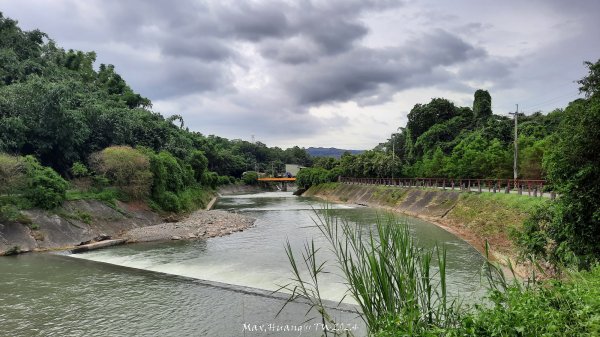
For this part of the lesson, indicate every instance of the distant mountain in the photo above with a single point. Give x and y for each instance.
(330, 152)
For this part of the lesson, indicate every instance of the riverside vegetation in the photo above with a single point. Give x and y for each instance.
(401, 289)
(564, 149)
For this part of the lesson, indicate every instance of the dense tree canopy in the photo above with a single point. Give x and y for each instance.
(61, 114)
(572, 164)
(56, 106)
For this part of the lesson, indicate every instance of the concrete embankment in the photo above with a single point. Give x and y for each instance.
(475, 217)
(74, 223)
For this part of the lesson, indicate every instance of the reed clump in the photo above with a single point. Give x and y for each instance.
(398, 286)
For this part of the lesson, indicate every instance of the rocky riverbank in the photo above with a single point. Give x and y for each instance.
(82, 222)
(200, 224)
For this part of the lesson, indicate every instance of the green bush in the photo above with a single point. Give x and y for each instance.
(223, 180)
(210, 179)
(11, 173)
(9, 213)
(193, 198)
(127, 168)
(314, 176)
(553, 308)
(79, 170)
(170, 202)
(171, 178)
(175, 179)
(250, 178)
(45, 188)
(199, 164)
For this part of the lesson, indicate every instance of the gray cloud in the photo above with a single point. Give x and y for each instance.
(373, 75)
(206, 49)
(310, 53)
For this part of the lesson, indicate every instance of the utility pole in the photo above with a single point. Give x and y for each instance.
(393, 156)
(516, 144)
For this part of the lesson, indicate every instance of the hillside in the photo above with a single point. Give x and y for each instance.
(330, 152)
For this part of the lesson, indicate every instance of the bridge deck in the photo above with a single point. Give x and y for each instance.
(277, 179)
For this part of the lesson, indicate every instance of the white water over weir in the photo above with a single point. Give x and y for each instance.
(256, 258)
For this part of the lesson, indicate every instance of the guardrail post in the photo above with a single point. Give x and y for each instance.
(520, 189)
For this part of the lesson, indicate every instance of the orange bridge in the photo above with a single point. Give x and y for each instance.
(284, 182)
(277, 179)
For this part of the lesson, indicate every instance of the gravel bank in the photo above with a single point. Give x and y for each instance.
(200, 224)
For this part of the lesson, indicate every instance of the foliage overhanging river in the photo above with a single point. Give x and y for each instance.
(157, 289)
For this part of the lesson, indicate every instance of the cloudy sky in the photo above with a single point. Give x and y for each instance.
(341, 73)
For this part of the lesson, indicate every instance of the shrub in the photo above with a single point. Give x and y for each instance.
(199, 164)
(175, 179)
(553, 308)
(223, 180)
(126, 168)
(170, 202)
(79, 170)
(193, 198)
(45, 188)
(11, 173)
(9, 213)
(210, 179)
(250, 178)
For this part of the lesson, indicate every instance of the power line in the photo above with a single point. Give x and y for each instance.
(550, 101)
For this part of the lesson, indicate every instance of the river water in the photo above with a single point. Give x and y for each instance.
(214, 287)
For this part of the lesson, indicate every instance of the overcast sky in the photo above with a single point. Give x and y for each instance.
(339, 73)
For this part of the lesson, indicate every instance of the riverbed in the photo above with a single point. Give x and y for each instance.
(207, 287)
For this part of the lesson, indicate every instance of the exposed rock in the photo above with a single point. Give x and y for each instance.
(200, 224)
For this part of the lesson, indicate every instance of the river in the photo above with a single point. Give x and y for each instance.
(214, 287)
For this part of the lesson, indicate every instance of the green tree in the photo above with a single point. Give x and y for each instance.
(482, 104)
(590, 85)
(424, 116)
(573, 166)
(567, 231)
(434, 166)
(199, 164)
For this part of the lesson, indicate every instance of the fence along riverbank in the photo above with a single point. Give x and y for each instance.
(530, 187)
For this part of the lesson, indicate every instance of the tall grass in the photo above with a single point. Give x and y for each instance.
(398, 286)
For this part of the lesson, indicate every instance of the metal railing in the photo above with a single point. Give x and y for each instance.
(531, 187)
